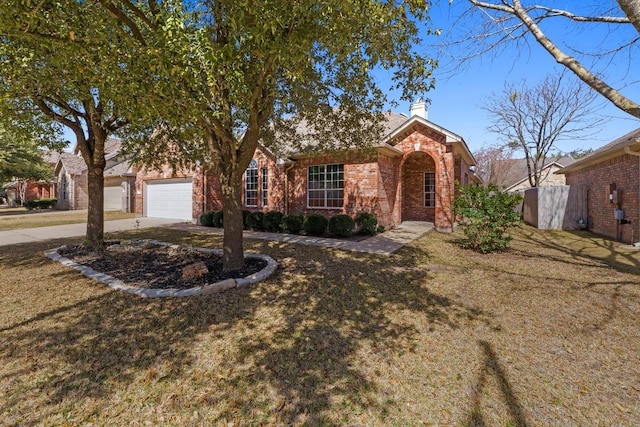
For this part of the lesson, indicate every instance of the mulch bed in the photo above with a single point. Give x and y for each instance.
(156, 267)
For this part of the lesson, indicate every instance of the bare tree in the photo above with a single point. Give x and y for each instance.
(534, 119)
(491, 163)
(508, 22)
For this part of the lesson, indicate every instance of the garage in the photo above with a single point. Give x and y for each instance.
(169, 199)
(113, 198)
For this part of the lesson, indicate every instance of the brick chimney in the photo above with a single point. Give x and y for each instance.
(419, 108)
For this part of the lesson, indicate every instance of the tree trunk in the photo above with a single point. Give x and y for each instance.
(95, 214)
(233, 255)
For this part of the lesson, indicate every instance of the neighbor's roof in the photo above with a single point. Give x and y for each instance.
(514, 171)
(612, 149)
(73, 163)
(118, 169)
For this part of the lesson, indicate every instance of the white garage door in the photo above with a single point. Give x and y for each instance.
(169, 199)
(113, 198)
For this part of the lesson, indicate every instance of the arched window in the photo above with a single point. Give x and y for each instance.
(251, 184)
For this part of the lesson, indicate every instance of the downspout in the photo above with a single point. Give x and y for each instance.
(628, 150)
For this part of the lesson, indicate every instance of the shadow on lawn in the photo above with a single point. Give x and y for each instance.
(493, 368)
(322, 306)
(583, 245)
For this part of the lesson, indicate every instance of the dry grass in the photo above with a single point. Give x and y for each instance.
(433, 335)
(34, 219)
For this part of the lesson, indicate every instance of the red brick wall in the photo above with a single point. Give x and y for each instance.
(432, 144)
(414, 168)
(275, 189)
(624, 171)
(364, 185)
(388, 190)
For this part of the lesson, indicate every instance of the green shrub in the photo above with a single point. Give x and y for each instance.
(315, 224)
(486, 215)
(206, 218)
(367, 223)
(245, 215)
(292, 224)
(341, 225)
(217, 219)
(254, 221)
(271, 221)
(40, 204)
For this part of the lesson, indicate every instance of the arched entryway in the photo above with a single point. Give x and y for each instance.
(419, 188)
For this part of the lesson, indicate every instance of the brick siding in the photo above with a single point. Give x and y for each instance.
(624, 171)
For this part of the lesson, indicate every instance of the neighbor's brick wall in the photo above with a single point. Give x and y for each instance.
(432, 144)
(80, 192)
(546, 180)
(624, 171)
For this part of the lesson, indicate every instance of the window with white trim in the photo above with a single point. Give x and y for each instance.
(325, 186)
(264, 174)
(429, 189)
(251, 184)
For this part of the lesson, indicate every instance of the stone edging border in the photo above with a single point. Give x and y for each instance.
(118, 285)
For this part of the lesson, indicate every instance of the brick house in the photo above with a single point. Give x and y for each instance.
(409, 175)
(35, 189)
(71, 177)
(611, 176)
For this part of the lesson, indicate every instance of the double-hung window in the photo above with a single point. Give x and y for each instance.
(264, 172)
(429, 189)
(251, 184)
(325, 186)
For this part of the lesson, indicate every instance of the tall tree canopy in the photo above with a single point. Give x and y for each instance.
(65, 61)
(514, 23)
(229, 74)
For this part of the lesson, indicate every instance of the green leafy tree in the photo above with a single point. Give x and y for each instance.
(66, 62)
(486, 214)
(230, 73)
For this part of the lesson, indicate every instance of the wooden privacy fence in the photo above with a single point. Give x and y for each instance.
(556, 208)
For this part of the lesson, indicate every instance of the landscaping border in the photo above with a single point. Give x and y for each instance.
(119, 285)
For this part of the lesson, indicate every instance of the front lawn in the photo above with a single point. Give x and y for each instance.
(34, 219)
(432, 335)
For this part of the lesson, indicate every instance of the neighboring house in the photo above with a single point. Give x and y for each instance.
(513, 174)
(410, 175)
(119, 178)
(611, 175)
(35, 189)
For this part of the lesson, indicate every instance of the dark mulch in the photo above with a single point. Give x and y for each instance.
(157, 267)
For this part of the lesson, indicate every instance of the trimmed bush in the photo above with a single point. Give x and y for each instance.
(486, 215)
(271, 221)
(245, 215)
(341, 225)
(315, 224)
(206, 219)
(292, 224)
(40, 204)
(254, 221)
(367, 223)
(217, 219)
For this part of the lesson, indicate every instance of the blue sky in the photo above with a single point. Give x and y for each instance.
(456, 101)
(457, 98)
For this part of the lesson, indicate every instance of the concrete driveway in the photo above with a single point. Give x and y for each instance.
(28, 235)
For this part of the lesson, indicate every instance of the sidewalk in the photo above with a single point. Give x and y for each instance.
(381, 244)
(28, 235)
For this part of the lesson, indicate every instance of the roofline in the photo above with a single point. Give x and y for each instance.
(450, 137)
(601, 156)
